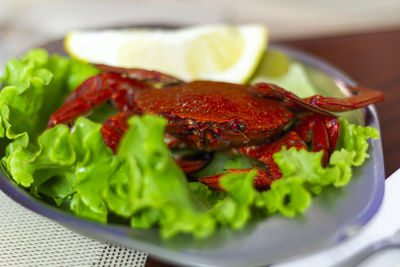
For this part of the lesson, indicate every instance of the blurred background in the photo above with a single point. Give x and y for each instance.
(24, 23)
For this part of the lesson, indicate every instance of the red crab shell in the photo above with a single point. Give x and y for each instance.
(216, 115)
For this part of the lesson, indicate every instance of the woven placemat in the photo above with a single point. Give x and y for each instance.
(29, 239)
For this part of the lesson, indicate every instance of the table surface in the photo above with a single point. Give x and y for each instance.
(372, 60)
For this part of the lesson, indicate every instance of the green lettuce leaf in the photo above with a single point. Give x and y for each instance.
(235, 209)
(22, 95)
(159, 192)
(34, 87)
(354, 138)
(54, 151)
(206, 197)
(73, 164)
(95, 163)
(287, 196)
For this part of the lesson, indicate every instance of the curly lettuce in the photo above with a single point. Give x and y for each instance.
(33, 87)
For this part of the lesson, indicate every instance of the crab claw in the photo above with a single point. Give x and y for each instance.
(148, 76)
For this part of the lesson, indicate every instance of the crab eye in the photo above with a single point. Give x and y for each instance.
(238, 125)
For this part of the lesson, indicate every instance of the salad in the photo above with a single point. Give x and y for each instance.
(73, 168)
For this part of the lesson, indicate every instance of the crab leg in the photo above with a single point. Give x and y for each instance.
(363, 97)
(94, 92)
(118, 84)
(320, 132)
(147, 76)
(320, 104)
(115, 126)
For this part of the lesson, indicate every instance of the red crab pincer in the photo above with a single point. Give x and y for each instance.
(253, 120)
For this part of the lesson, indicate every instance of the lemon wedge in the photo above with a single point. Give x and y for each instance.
(208, 52)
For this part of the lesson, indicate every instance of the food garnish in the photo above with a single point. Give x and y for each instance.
(205, 52)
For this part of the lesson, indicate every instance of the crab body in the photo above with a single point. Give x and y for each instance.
(214, 115)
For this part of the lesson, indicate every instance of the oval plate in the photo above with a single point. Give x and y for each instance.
(333, 216)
